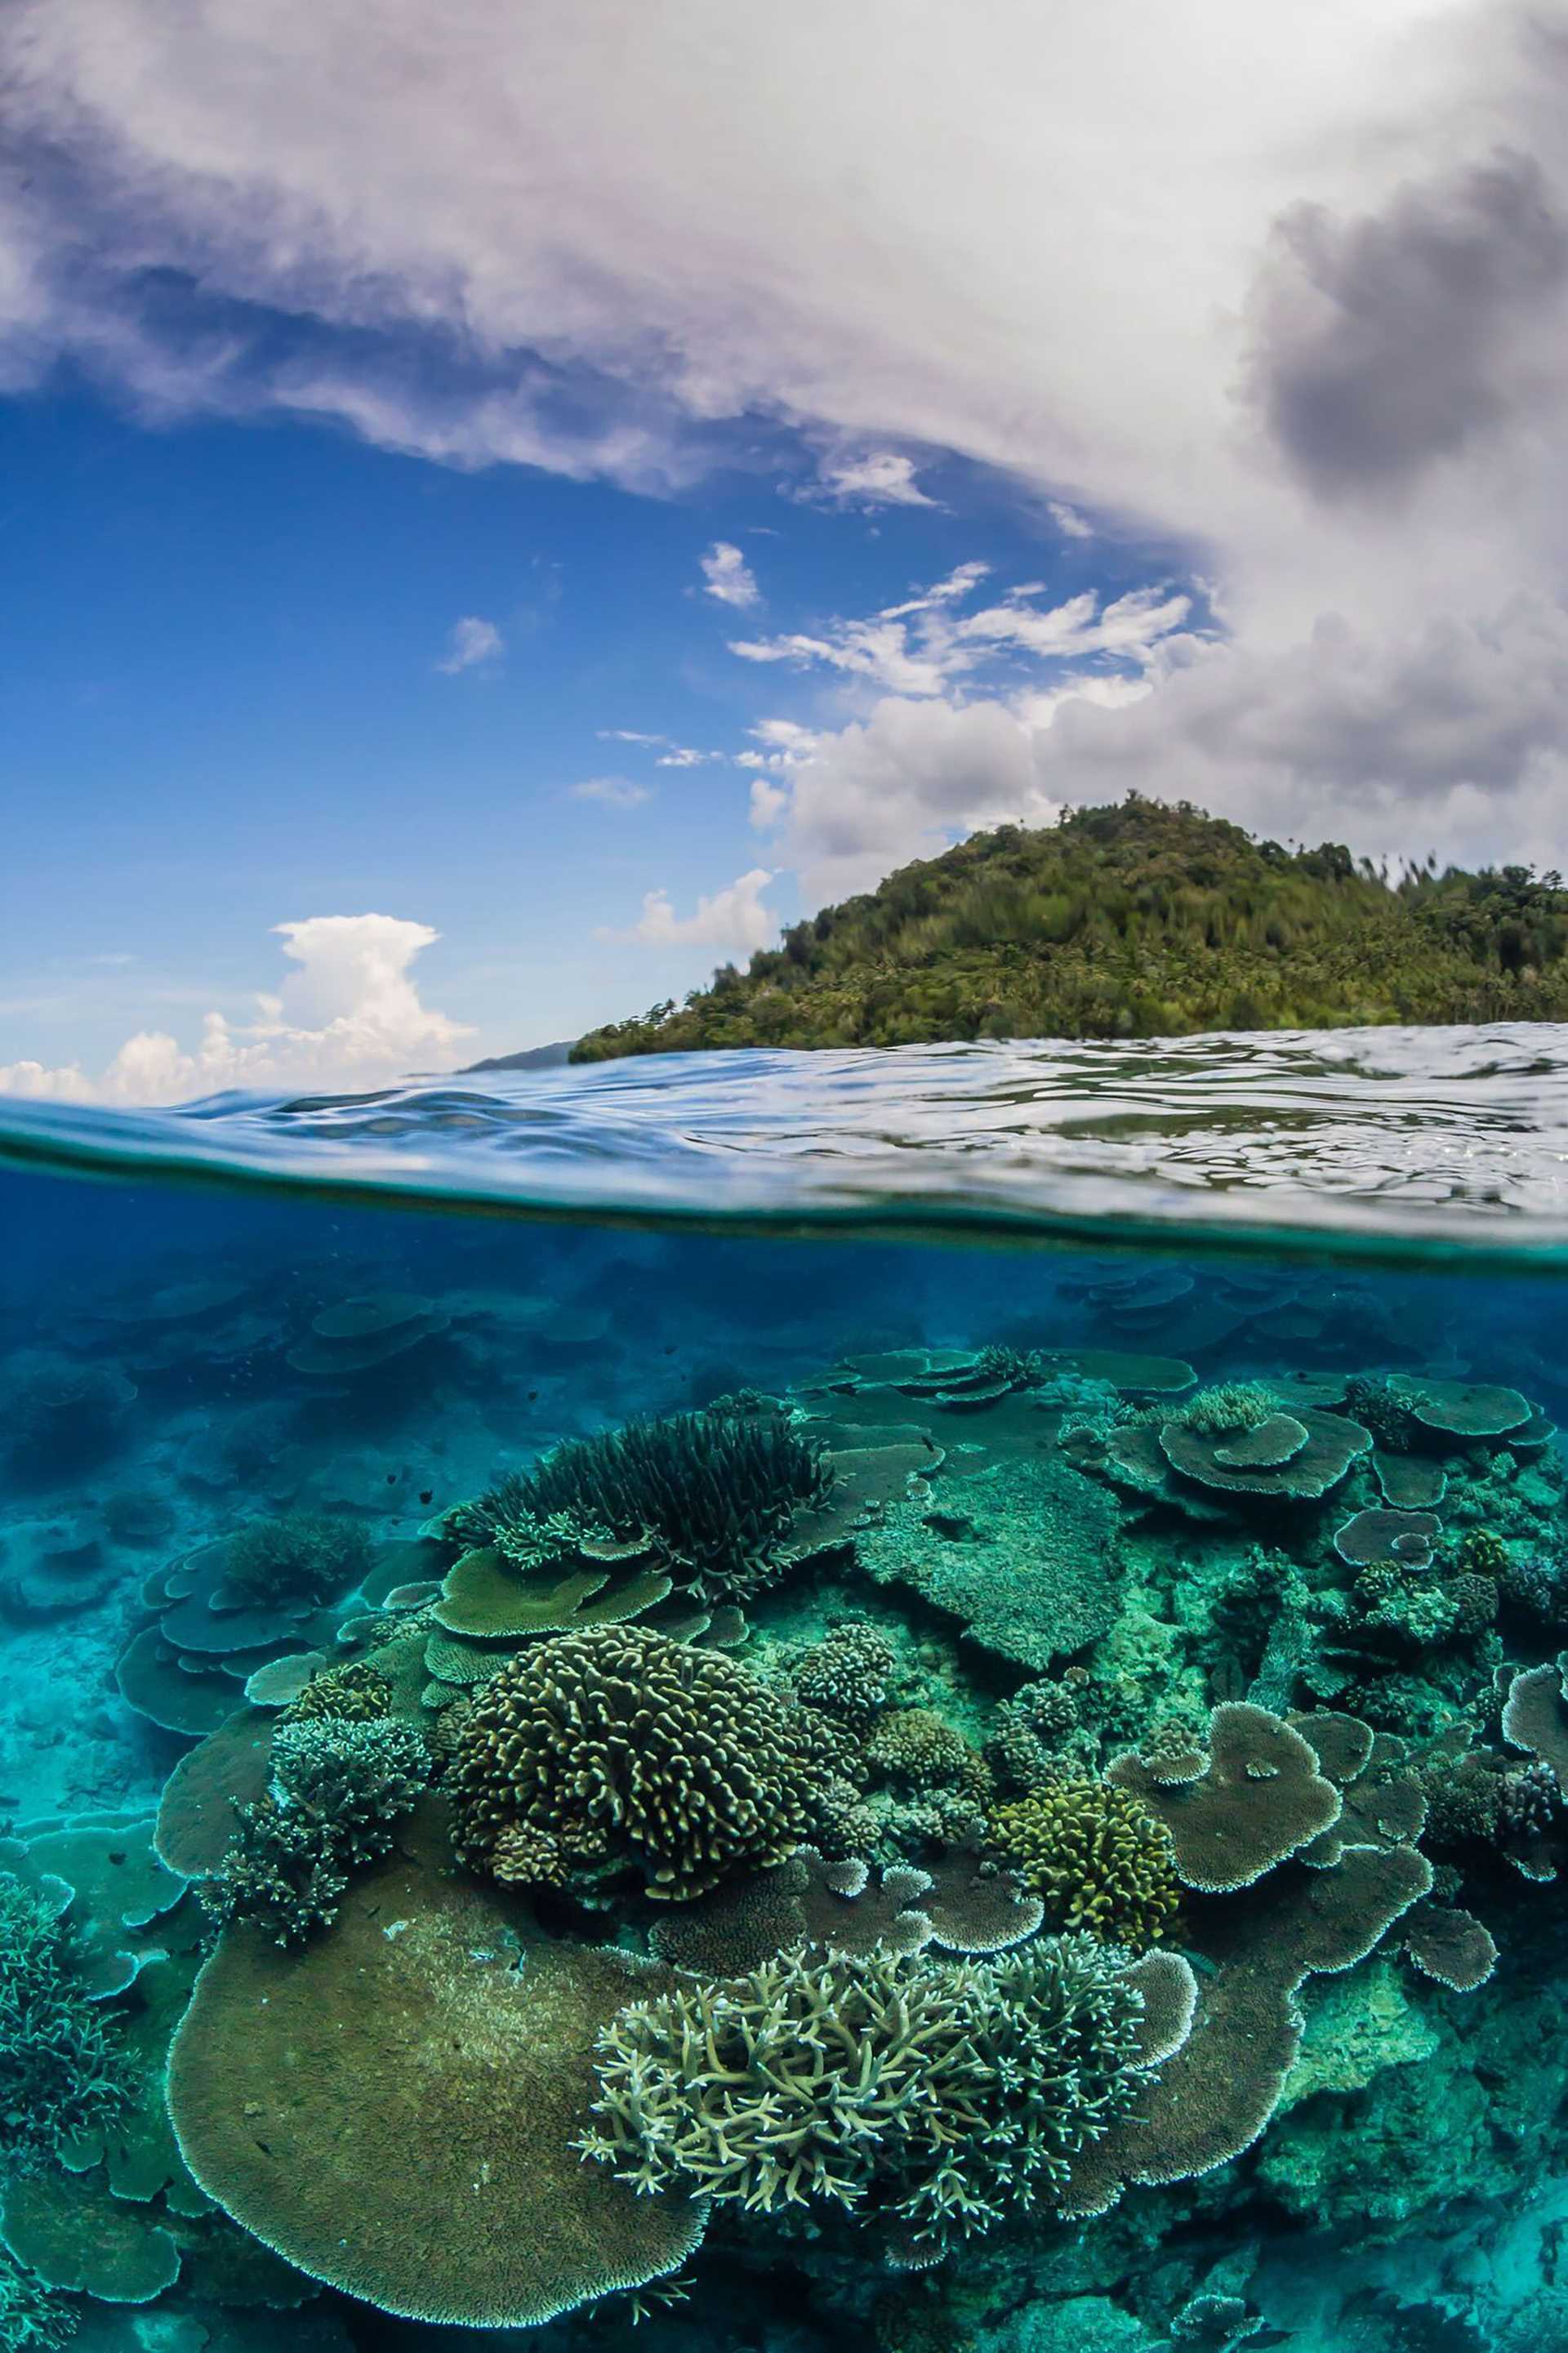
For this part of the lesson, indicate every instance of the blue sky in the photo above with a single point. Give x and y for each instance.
(486, 536)
(239, 689)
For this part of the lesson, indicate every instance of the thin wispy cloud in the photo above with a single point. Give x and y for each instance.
(473, 644)
(1067, 520)
(670, 755)
(926, 646)
(877, 478)
(728, 576)
(612, 792)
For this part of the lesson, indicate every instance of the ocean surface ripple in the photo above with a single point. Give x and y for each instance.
(1448, 1136)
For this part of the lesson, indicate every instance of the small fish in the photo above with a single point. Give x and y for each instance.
(426, 1493)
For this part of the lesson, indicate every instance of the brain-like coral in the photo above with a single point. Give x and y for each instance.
(934, 2096)
(615, 1750)
(848, 1673)
(712, 1496)
(1098, 1857)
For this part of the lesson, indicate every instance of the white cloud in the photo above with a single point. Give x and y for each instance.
(1318, 347)
(350, 1014)
(728, 576)
(1067, 520)
(1398, 741)
(877, 478)
(733, 919)
(615, 792)
(923, 646)
(671, 753)
(472, 642)
(785, 740)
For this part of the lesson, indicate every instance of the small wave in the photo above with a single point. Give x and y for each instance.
(1453, 1138)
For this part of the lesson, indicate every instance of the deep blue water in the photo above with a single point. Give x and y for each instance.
(353, 1316)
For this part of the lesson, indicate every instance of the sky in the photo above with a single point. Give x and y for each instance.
(503, 508)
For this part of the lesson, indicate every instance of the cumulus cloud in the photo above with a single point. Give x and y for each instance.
(1427, 738)
(732, 919)
(1314, 352)
(728, 576)
(615, 792)
(472, 643)
(349, 1015)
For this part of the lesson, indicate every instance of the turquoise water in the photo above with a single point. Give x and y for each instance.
(1018, 1809)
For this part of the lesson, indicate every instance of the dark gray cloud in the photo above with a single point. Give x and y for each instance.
(1387, 343)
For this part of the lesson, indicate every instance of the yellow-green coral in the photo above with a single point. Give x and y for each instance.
(1098, 1857)
(617, 1749)
(354, 1694)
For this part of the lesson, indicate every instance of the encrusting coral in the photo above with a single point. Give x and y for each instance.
(934, 2096)
(616, 1750)
(1099, 1859)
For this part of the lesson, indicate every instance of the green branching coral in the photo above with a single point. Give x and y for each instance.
(339, 1788)
(1230, 1405)
(615, 1749)
(63, 2076)
(301, 1556)
(1099, 1859)
(712, 1496)
(937, 2097)
(33, 2317)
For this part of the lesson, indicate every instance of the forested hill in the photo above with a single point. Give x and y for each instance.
(1132, 921)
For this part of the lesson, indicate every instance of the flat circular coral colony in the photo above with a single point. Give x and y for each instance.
(918, 1807)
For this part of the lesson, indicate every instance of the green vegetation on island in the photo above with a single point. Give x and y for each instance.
(1132, 921)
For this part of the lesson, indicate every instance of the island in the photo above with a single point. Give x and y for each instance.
(1139, 920)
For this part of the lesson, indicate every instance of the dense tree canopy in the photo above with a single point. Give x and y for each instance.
(1132, 921)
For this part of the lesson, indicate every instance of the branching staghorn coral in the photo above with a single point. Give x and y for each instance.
(712, 1495)
(63, 2076)
(301, 1556)
(938, 2096)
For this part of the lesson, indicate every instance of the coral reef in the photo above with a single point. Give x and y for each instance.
(931, 2098)
(595, 1754)
(1099, 1859)
(300, 1556)
(715, 1497)
(1132, 1795)
(63, 2074)
(339, 1786)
